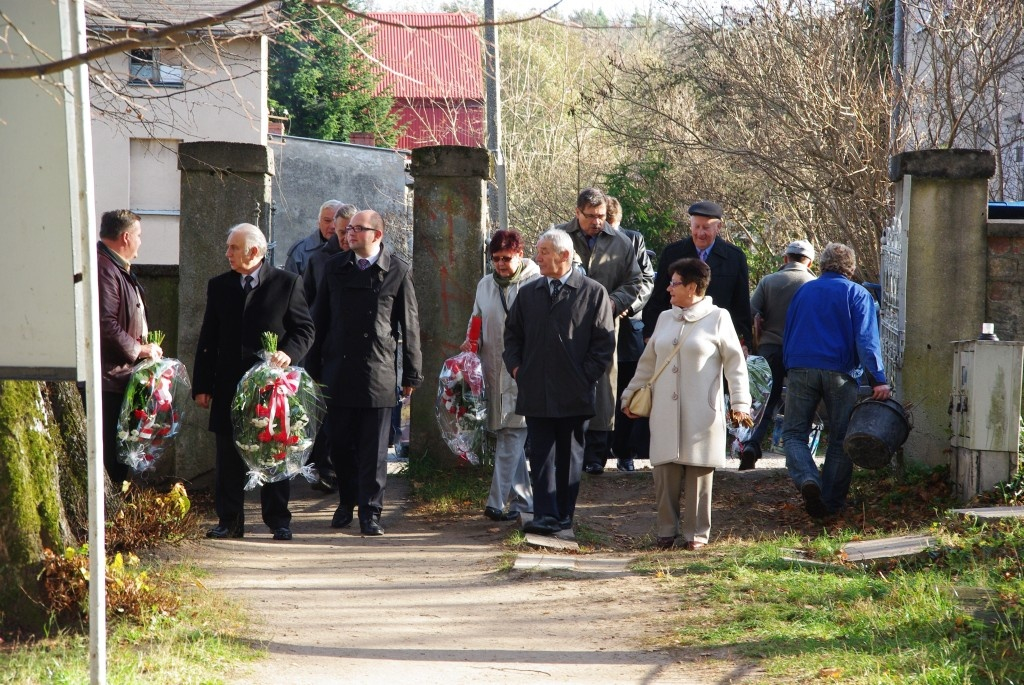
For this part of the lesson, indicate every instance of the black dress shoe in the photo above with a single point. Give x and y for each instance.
(565, 524)
(325, 484)
(370, 527)
(342, 516)
(813, 504)
(593, 469)
(499, 515)
(749, 455)
(545, 525)
(221, 532)
(625, 465)
(283, 533)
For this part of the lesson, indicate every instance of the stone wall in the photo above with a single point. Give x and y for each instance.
(310, 172)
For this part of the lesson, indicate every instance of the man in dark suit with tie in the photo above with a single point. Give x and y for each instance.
(253, 297)
(730, 278)
(364, 301)
(559, 341)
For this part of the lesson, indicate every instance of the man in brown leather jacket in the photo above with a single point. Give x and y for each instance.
(123, 325)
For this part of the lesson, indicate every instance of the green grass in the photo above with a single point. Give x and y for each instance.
(891, 623)
(446, 486)
(197, 646)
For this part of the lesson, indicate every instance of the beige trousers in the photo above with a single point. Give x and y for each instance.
(668, 481)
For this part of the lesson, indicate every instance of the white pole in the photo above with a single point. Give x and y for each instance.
(499, 200)
(76, 101)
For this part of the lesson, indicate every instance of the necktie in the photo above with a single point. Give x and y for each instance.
(703, 255)
(556, 286)
(363, 264)
(247, 288)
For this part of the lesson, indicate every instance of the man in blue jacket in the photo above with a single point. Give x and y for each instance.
(831, 337)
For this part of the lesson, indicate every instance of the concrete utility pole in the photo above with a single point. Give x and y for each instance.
(497, 198)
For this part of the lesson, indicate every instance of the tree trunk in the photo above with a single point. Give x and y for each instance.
(31, 517)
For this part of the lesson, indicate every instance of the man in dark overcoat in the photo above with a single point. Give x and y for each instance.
(559, 341)
(730, 277)
(241, 304)
(364, 302)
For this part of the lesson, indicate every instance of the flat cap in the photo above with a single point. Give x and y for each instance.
(704, 208)
(800, 248)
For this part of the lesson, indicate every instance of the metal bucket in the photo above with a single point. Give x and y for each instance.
(876, 431)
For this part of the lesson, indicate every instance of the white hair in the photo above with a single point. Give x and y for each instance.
(330, 204)
(253, 237)
(559, 239)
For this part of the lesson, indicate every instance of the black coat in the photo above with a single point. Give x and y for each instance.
(359, 317)
(729, 287)
(230, 339)
(560, 349)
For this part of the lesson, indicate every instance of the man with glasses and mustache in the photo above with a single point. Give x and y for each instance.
(608, 257)
(365, 299)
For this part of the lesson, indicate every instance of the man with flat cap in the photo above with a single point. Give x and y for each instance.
(730, 278)
(769, 305)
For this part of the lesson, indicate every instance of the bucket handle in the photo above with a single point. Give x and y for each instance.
(908, 415)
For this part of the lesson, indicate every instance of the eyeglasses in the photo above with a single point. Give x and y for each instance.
(594, 216)
(357, 229)
(673, 284)
(502, 260)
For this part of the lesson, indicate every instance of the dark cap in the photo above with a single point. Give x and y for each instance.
(703, 208)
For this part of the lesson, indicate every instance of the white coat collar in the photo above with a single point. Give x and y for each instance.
(696, 312)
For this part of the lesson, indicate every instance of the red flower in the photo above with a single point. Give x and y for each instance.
(262, 410)
(164, 431)
(293, 440)
(265, 436)
(281, 437)
(280, 456)
(175, 416)
(139, 414)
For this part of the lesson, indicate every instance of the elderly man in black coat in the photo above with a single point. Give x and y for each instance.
(253, 297)
(364, 300)
(730, 277)
(559, 341)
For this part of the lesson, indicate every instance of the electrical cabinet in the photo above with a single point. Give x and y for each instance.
(985, 412)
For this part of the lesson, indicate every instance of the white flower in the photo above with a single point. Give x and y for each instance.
(123, 435)
(260, 423)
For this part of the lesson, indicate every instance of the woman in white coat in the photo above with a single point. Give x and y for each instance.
(495, 294)
(696, 343)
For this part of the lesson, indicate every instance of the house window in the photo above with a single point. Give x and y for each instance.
(150, 66)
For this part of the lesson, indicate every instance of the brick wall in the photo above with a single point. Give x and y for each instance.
(1005, 278)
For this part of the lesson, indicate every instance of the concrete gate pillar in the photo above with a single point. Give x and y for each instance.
(222, 184)
(940, 228)
(449, 238)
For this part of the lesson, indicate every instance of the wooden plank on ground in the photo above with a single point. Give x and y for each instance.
(888, 548)
(992, 512)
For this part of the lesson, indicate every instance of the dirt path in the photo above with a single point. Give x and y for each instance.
(425, 602)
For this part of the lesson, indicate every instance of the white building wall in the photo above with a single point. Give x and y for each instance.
(135, 139)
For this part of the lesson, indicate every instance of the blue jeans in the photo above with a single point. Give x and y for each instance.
(805, 388)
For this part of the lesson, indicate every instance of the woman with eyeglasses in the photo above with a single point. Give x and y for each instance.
(495, 293)
(693, 344)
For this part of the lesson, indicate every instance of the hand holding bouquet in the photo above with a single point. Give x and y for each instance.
(276, 413)
(460, 406)
(152, 410)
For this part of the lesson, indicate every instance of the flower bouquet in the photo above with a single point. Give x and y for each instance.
(759, 377)
(151, 413)
(460, 406)
(276, 413)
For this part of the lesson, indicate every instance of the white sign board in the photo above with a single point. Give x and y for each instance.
(41, 196)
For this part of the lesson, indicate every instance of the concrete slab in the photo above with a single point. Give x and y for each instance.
(544, 562)
(888, 548)
(553, 542)
(992, 512)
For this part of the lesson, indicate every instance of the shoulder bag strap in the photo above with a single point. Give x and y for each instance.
(675, 351)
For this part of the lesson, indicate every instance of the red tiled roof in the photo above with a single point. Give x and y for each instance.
(431, 63)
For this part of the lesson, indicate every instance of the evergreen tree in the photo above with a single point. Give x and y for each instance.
(322, 81)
